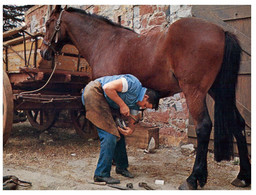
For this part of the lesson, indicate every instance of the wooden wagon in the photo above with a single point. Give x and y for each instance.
(39, 88)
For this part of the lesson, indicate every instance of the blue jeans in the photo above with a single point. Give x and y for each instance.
(110, 149)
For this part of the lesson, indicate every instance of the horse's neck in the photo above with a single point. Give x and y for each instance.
(81, 34)
(90, 37)
(87, 34)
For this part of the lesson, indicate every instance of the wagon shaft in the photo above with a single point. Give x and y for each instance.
(40, 101)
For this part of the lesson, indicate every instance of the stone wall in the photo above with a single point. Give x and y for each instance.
(172, 115)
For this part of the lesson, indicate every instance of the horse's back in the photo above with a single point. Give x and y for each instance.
(196, 49)
(196, 25)
(196, 33)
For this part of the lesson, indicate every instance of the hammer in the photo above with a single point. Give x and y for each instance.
(129, 186)
(145, 185)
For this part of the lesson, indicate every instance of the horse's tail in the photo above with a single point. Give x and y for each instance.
(224, 89)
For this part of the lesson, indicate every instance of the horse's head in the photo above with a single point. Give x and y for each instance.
(55, 35)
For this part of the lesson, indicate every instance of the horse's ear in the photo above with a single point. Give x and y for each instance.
(57, 8)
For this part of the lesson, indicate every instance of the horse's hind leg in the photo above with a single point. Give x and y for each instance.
(199, 111)
(244, 177)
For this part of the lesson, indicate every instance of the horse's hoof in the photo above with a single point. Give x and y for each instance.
(239, 183)
(186, 186)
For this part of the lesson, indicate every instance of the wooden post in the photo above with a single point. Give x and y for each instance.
(6, 58)
(24, 40)
(35, 53)
(78, 62)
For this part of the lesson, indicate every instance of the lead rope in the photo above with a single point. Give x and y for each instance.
(36, 90)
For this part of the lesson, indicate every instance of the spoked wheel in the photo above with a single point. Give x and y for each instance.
(7, 108)
(83, 127)
(42, 119)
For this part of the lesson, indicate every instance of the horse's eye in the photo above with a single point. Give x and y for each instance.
(47, 24)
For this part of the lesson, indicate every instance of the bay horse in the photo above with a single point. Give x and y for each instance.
(192, 56)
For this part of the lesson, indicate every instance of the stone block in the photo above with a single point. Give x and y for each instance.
(174, 8)
(146, 9)
(157, 20)
(187, 149)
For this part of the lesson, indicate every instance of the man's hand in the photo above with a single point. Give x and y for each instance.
(126, 131)
(124, 110)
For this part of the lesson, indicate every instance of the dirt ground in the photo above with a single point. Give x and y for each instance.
(61, 160)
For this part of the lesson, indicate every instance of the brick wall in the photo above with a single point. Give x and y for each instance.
(172, 115)
(36, 17)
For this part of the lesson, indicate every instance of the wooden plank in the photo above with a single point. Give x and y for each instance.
(66, 63)
(192, 134)
(13, 31)
(233, 12)
(245, 64)
(242, 25)
(211, 146)
(16, 56)
(207, 8)
(19, 40)
(245, 45)
(245, 68)
(59, 72)
(246, 113)
(142, 135)
(243, 97)
(20, 47)
(71, 49)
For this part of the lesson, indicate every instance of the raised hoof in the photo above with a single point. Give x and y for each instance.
(186, 186)
(239, 183)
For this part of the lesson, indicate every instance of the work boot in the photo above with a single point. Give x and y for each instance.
(124, 172)
(108, 180)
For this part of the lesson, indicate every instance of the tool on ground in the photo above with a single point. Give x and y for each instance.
(10, 182)
(145, 185)
(102, 183)
(120, 187)
(129, 185)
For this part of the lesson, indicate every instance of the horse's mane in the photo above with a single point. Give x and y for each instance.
(71, 9)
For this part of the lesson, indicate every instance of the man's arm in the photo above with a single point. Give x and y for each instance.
(111, 90)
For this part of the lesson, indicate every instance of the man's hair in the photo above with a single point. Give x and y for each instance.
(153, 97)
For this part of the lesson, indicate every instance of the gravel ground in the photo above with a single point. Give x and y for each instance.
(61, 160)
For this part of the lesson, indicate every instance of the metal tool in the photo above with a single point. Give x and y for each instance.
(145, 185)
(135, 120)
(120, 123)
(129, 185)
(102, 183)
(118, 187)
(10, 182)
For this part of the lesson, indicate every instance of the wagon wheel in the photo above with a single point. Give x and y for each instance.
(84, 128)
(7, 108)
(42, 119)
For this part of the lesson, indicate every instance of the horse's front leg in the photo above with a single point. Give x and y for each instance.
(199, 112)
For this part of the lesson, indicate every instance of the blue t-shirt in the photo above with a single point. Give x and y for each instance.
(134, 92)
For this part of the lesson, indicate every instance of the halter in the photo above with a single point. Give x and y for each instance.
(55, 34)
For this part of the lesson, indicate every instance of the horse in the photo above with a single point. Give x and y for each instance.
(192, 56)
